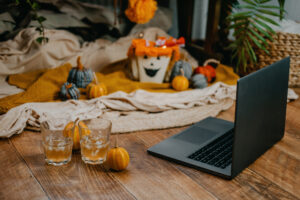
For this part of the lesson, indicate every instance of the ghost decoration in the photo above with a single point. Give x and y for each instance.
(149, 62)
(152, 69)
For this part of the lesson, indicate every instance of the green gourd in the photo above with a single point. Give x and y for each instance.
(80, 76)
(69, 91)
(187, 69)
(199, 81)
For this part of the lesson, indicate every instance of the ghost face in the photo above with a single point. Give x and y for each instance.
(152, 69)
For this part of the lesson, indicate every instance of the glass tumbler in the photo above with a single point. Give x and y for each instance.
(94, 143)
(57, 145)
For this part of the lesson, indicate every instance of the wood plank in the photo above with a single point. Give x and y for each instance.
(280, 168)
(149, 178)
(16, 180)
(75, 180)
(292, 125)
(248, 185)
(290, 145)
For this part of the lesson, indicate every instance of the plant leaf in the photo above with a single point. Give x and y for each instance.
(264, 1)
(266, 34)
(259, 45)
(39, 29)
(267, 19)
(258, 36)
(237, 24)
(40, 40)
(243, 59)
(270, 6)
(35, 6)
(239, 58)
(267, 27)
(241, 14)
(268, 12)
(232, 46)
(253, 56)
(41, 19)
(247, 6)
(249, 2)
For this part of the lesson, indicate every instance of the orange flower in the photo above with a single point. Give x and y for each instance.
(141, 11)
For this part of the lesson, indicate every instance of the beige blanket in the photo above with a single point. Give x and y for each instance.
(128, 112)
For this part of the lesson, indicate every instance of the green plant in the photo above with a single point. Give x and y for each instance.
(40, 19)
(251, 24)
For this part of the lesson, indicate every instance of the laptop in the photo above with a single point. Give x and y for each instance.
(224, 148)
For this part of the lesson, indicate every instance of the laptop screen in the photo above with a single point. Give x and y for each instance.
(260, 113)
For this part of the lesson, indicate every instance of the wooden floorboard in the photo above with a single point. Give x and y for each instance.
(150, 178)
(75, 180)
(16, 180)
(248, 185)
(24, 174)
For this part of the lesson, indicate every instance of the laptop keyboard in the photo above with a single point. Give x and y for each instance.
(217, 153)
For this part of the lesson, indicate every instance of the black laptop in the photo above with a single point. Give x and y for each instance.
(225, 148)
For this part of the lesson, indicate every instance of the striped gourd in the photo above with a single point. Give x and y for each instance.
(118, 158)
(80, 76)
(69, 91)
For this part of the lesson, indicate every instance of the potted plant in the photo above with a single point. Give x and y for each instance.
(250, 22)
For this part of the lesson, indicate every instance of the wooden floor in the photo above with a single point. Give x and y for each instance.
(24, 174)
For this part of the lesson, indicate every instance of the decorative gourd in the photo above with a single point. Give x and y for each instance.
(117, 158)
(73, 131)
(187, 68)
(80, 76)
(96, 89)
(69, 91)
(208, 71)
(180, 82)
(199, 81)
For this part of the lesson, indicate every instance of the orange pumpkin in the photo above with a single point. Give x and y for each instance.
(118, 158)
(180, 82)
(208, 71)
(71, 131)
(96, 90)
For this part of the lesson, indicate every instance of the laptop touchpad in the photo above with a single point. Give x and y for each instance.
(196, 135)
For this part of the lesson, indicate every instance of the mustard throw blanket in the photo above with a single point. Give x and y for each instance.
(44, 85)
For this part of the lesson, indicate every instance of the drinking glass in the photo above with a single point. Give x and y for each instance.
(57, 145)
(94, 143)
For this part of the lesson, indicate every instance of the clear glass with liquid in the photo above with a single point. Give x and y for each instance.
(57, 147)
(95, 145)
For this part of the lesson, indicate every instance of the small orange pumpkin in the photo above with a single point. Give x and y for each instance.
(208, 71)
(76, 136)
(117, 158)
(96, 89)
(180, 82)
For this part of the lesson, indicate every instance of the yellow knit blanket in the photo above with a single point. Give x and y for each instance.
(44, 85)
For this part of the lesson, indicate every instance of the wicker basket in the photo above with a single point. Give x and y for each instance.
(284, 44)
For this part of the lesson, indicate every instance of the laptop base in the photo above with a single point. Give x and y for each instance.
(178, 148)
